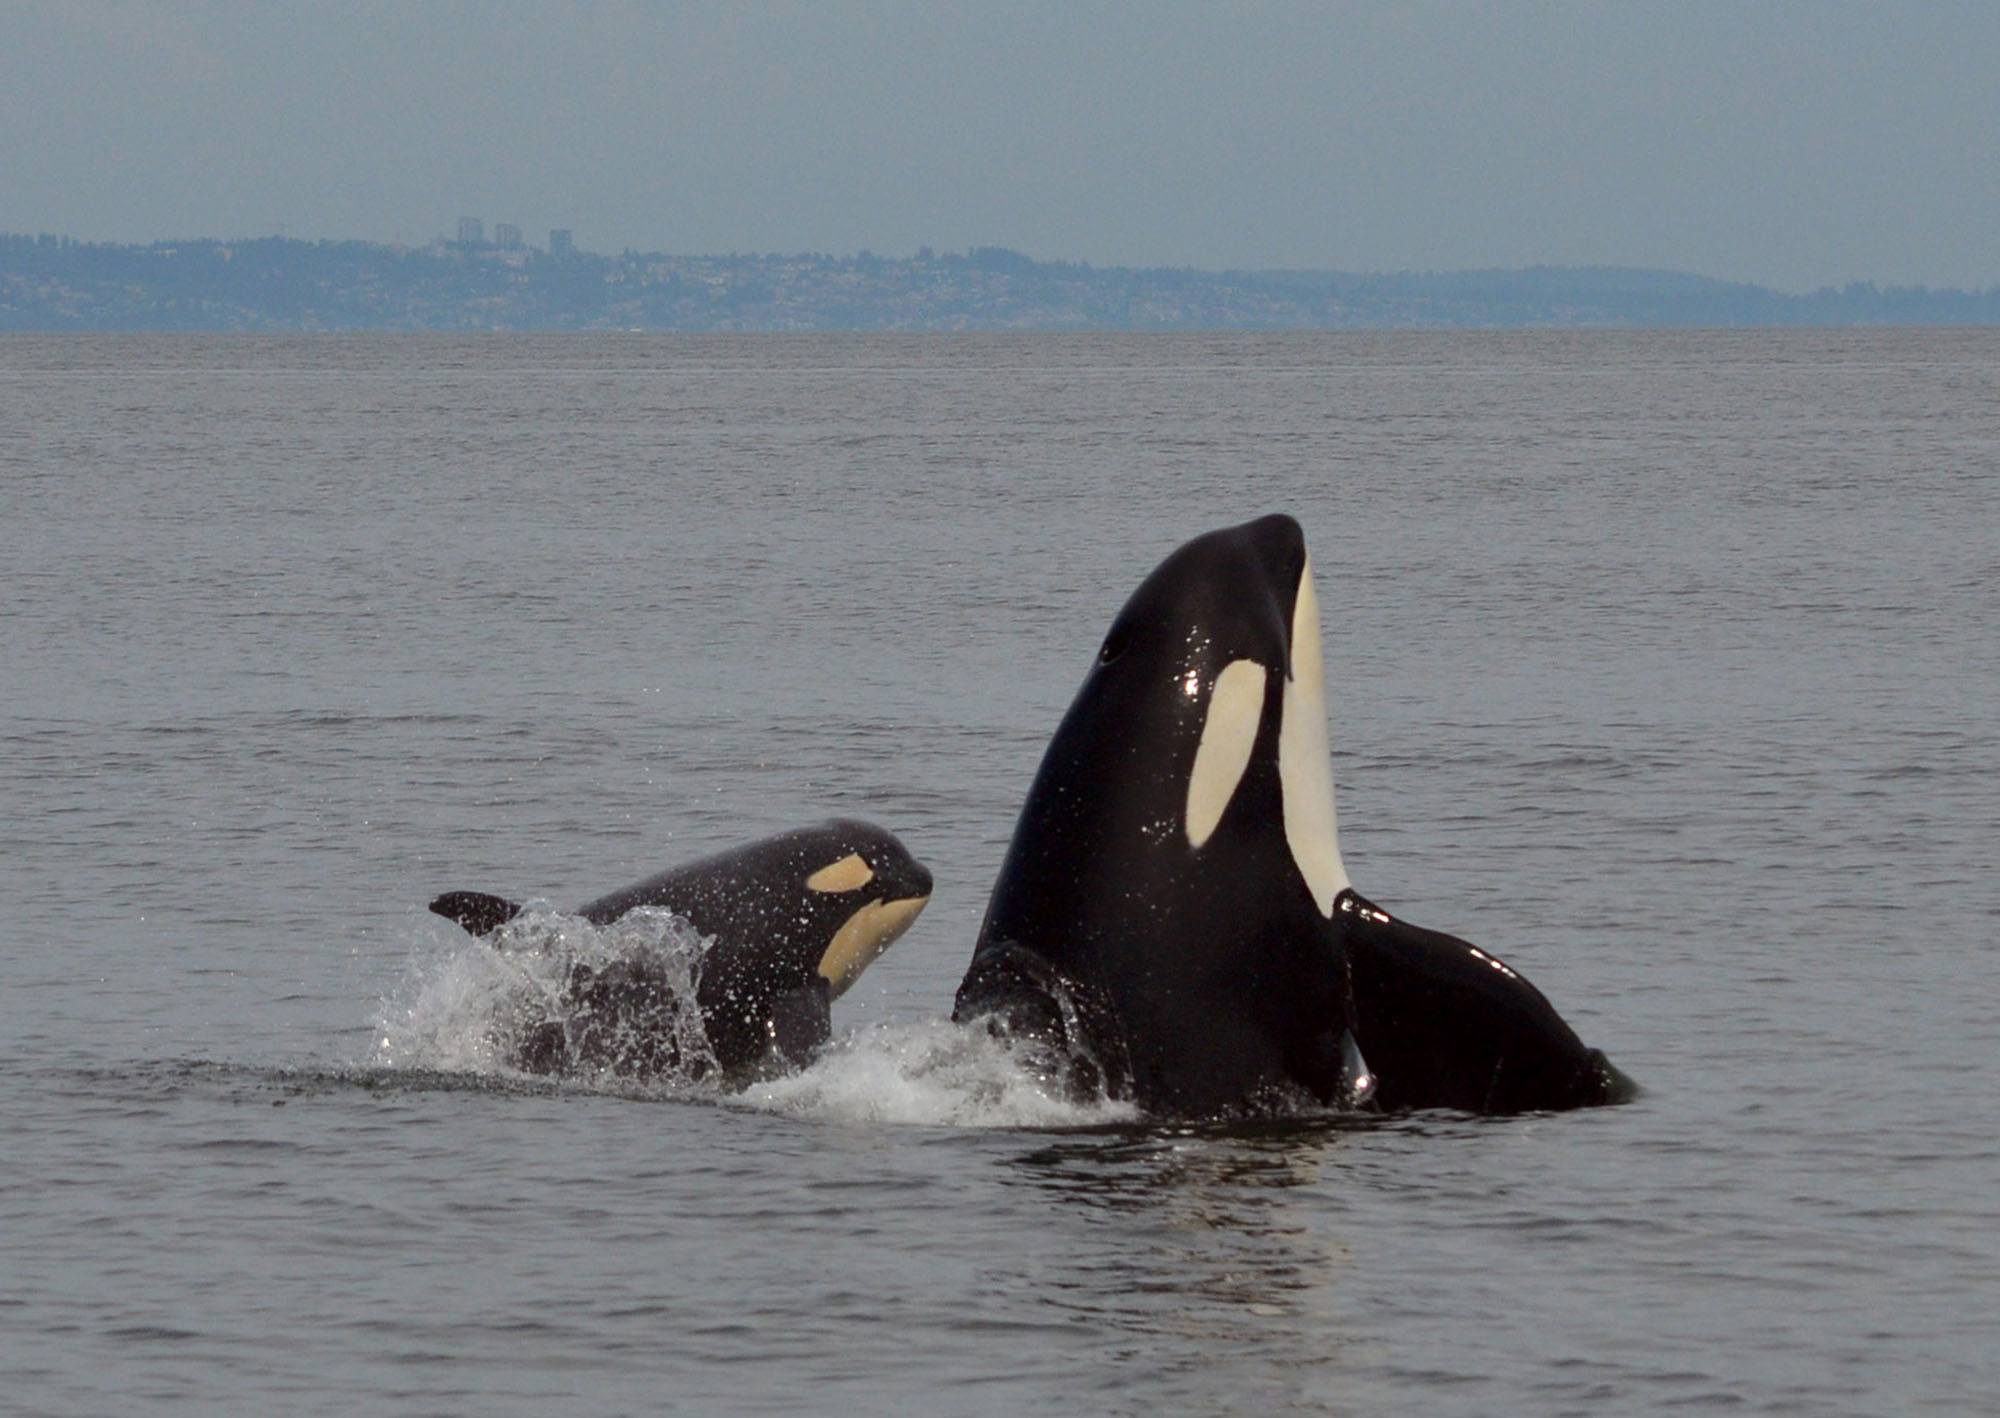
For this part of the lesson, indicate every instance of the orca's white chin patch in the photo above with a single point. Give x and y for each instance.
(863, 936)
(1305, 764)
(1228, 734)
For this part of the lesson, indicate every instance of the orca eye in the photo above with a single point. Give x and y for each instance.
(1114, 645)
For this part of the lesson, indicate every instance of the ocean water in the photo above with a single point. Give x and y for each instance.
(1664, 665)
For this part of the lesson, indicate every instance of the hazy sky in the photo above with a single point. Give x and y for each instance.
(1790, 143)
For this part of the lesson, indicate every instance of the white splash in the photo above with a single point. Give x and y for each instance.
(931, 1072)
(463, 1012)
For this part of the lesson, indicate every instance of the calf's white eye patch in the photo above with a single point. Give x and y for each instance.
(1235, 709)
(850, 873)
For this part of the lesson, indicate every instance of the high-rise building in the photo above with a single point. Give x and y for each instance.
(471, 231)
(507, 236)
(561, 243)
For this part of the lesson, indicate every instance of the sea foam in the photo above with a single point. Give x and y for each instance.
(462, 1011)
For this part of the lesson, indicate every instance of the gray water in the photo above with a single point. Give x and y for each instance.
(1662, 664)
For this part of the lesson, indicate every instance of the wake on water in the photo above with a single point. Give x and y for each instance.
(466, 1013)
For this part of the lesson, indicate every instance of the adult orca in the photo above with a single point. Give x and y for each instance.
(792, 921)
(1173, 918)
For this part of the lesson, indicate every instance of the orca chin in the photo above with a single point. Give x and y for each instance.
(1173, 922)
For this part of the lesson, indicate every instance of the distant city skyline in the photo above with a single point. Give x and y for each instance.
(274, 283)
(561, 241)
(1789, 144)
(509, 236)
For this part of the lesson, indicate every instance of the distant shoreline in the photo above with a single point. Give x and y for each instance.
(286, 285)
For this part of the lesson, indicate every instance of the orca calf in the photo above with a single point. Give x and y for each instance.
(792, 921)
(1173, 921)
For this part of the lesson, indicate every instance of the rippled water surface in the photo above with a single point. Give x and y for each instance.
(1662, 664)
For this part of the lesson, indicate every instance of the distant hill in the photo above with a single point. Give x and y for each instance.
(271, 283)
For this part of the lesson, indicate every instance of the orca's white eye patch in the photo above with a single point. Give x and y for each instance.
(1235, 711)
(850, 873)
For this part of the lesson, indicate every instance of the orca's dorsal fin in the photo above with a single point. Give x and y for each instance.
(479, 912)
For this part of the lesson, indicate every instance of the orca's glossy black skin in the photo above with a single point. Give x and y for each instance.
(1445, 1024)
(792, 920)
(1194, 982)
(1210, 981)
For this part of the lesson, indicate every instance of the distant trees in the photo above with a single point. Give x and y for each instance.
(51, 282)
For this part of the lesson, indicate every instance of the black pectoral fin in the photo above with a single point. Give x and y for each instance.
(479, 912)
(1019, 994)
(1016, 987)
(802, 1022)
